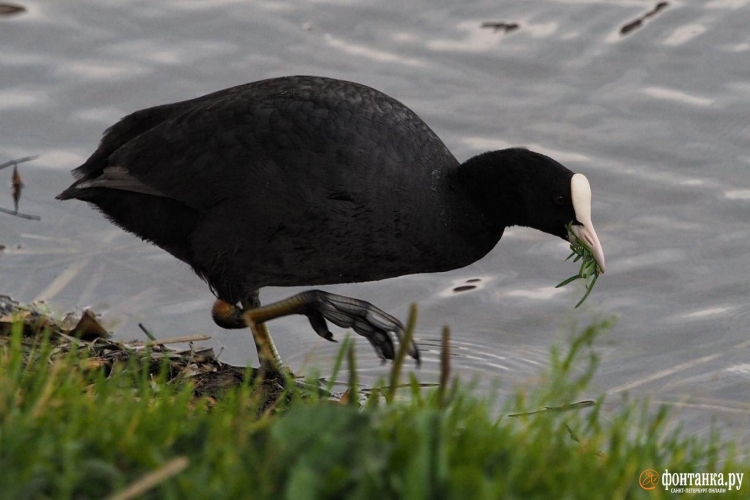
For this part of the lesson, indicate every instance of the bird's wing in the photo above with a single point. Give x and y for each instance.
(234, 143)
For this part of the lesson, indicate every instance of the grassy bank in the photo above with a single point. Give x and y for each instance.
(69, 429)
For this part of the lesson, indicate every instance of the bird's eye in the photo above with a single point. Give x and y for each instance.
(559, 200)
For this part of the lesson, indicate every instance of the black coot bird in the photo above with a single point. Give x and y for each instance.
(305, 180)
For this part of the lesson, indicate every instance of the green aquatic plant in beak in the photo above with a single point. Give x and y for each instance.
(589, 270)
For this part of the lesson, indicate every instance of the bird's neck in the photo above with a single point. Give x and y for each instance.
(491, 182)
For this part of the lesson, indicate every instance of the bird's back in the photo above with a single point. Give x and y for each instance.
(325, 174)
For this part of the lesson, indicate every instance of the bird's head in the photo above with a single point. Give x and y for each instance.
(555, 197)
(520, 187)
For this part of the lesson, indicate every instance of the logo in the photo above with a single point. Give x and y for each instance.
(691, 482)
(649, 479)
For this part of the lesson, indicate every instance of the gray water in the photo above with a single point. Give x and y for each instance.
(658, 120)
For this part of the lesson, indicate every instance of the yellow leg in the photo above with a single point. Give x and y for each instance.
(375, 325)
(268, 355)
(230, 316)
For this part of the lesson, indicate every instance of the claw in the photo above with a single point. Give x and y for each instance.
(318, 324)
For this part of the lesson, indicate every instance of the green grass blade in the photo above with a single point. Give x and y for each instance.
(569, 280)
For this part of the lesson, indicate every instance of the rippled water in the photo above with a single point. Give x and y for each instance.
(658, 119)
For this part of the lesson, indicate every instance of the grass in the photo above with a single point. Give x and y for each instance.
(68, 430)
(589, 270)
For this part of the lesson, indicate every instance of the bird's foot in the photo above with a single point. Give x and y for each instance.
(364, 318)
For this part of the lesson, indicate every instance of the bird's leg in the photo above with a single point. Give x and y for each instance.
(364, 318)
(268, 356)
(229, 316)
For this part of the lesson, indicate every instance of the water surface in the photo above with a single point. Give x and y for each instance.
(658, 119)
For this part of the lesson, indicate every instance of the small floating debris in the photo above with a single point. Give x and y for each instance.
(468, 286)
(501, 26)
(463, 285)
(9, 9)
(17, 186)
(638, 23)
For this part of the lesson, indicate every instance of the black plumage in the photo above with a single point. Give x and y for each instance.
(309, 181)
